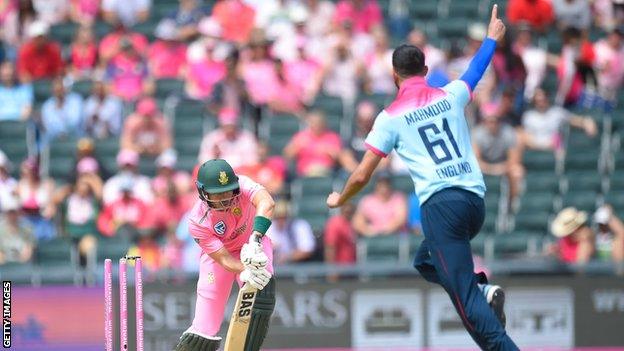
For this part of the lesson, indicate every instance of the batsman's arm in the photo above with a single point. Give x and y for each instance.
(264, 204)
(357, 181)
(227, 261)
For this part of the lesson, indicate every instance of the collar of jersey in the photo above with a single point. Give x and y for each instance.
(411, 82)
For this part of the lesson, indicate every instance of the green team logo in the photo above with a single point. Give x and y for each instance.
(223, 178)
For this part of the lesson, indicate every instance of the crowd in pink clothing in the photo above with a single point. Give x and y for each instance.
(285, 50)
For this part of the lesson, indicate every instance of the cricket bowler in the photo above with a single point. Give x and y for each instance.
(229, 222)
(427, 128)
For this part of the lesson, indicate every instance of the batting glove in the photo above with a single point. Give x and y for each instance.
(257, 278)
(253, 257)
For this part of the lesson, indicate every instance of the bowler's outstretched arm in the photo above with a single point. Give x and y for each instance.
(481, 60)
(357, 181)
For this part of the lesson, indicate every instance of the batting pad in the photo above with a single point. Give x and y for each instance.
(260, 317)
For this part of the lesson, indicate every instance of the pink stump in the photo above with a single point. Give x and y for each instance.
(108, 305)
(138, 286)
(123, 304)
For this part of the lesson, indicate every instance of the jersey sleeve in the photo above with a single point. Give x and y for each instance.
(202, 232)
(382, 138)
(204, 237)
(460, 91)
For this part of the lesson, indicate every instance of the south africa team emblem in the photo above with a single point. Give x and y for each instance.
(237, 211)
(219, 228)
(223, 178)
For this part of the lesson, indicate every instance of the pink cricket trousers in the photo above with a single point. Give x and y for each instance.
(213, 290)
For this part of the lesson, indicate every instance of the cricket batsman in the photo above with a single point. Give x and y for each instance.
(229, 222)
(427, 128)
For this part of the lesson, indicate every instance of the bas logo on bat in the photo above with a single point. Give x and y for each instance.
(246, 304)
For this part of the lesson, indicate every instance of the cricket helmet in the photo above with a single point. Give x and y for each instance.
(216, 177)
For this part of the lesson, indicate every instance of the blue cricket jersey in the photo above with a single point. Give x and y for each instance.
(427, 128)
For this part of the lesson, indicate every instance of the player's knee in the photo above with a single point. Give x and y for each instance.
(190, 341)
(427, 272)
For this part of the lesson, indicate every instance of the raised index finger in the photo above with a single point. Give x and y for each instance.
(494, 12)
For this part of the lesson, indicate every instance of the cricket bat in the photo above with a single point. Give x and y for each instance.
(241, 316)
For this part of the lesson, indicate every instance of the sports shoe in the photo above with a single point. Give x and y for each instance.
(495, 297)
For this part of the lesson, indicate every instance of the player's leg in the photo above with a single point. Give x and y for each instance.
(424, 264)
(263, 306)
(260, 317)
(495, 296)
(449, 221)
(213, 290)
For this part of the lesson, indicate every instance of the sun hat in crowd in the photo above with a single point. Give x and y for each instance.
(167, 159)
(166, 30)
(567, 221)
(602, 215)
(477, 31)
(37, 29)
(228, 116)
(147, 107)
(127, 157)
(210, 27)
(87, 165)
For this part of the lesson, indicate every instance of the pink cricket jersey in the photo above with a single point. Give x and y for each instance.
(231, 229)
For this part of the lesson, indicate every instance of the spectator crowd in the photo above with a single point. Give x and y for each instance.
(252, 64)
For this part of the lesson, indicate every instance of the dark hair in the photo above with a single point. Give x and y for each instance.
(25, 11)
(25, 8)
(234, 55)
(571, 33)
(408, 60)
(513, 61)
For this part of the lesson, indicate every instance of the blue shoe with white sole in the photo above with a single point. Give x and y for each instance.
(495, 297)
